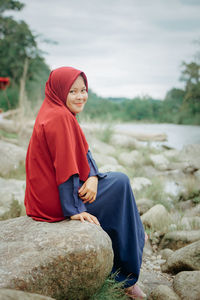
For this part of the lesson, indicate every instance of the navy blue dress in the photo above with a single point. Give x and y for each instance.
(116, 210)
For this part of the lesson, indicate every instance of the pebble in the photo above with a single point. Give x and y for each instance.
(156, 268)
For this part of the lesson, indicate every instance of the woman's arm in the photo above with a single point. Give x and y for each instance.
(72, 205)
(70, 202)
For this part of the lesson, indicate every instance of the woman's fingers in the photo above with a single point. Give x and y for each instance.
(93, 199)
(85, 216)
(83, 190)
(95, 220)
(89, 196)
(81, 218)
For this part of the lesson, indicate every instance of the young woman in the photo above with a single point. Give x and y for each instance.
(63, 181)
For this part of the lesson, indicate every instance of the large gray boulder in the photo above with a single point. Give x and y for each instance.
(6, 294)
(178, 239)
(10, 157)
(156, 217)
(186, 258)
(67, 259)
(163, 292)
(187, 285)
(10, 190)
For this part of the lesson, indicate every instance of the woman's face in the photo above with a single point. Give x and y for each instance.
(77, 96)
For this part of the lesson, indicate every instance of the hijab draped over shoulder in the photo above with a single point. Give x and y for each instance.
(57, 149)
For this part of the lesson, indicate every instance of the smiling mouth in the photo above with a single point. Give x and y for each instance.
(79, 104)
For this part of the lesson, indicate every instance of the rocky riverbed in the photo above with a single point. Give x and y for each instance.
(166, 184)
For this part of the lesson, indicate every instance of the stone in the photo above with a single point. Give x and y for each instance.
(102, 159)
(185, 205)
(129, 158)
(10, 157)
(189, 223)
(178, 239)
(6, 294)
(163, 292)
(54, 259)
(183, 259)
(139, 183)
(10, 190)
(144, 205)
(159, 161)
(156, 217)
(165, 253)
(172, 153)
(172, 188)
(190, 154)
(187, 285)
(9, 126)
(112, 168)
(197, 174)
(194, 211)
(123, 140)
(101, 147)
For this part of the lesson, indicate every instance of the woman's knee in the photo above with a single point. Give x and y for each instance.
(122, 178)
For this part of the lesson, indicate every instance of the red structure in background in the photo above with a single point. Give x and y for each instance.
(4, 82)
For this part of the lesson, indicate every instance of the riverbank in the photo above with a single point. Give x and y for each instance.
(165, 182)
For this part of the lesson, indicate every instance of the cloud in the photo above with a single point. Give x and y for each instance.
(126, 47)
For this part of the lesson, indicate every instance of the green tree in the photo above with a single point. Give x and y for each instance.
(191, 104)
(18, 47)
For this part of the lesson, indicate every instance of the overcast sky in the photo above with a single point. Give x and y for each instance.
(125, 47)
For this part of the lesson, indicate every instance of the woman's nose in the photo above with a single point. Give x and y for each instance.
(79, 95)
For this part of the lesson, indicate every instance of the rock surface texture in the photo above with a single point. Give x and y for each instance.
(187, 285)
(62, 260)
(156, 217)
(10, 190)
(6, 294)
(186, 258)
(10, 157)
(163, 292)
(178, 239)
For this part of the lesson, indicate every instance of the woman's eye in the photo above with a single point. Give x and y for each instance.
(84, 90)
(71, 92)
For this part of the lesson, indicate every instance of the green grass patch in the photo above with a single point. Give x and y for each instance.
(192, 190)
(104, 134)
(155, 192)
(111, 290)
(16, 210)
(18, 173)
(8, 135)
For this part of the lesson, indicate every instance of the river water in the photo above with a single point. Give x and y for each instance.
(177, 135)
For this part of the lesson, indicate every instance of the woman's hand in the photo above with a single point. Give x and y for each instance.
(88, 191)
(85, 216)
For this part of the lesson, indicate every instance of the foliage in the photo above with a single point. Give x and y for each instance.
(180, 106)
(16, 210)
(10, 4)
(17, 44)
(111, 290)
(105, 133)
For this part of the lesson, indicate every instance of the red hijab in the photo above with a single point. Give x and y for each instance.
(57, 149)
